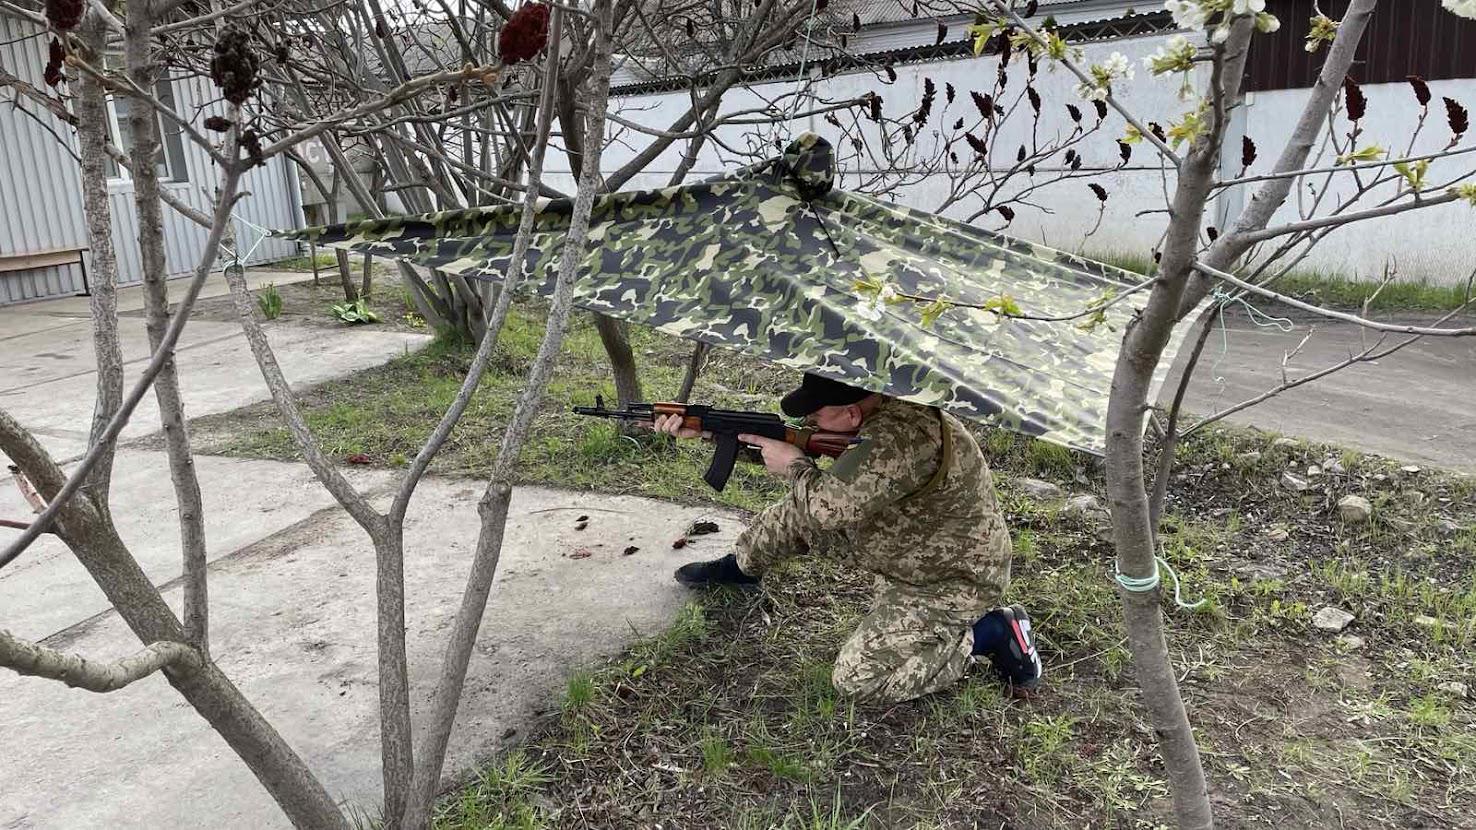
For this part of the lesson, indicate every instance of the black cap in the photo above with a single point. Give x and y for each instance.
(816, 391)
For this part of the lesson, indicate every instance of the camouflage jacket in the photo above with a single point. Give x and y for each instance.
(902, 517)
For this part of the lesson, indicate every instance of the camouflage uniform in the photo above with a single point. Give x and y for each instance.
(924, 521)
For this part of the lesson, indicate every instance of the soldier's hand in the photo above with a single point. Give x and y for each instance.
(672, 425)
(778, 455)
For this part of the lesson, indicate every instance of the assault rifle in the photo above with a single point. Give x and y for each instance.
(726, 425)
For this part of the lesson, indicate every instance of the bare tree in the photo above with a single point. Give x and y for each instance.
(80, 516)
(1187, 271)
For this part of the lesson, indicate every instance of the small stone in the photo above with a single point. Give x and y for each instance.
(1426, 621)
(1332, 619)
(1410, 468)
(1262, 571)
(1285, 442)
(1294, 482)
(1037, 489)
(1334, 466)
(1277, 533)
(1380, 477)
(1314, 471)
(1351, 642)
(1455, 687)
(1449, 528)
(1354, 510)
(1084, 505)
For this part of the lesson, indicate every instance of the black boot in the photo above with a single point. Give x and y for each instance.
(723, 571)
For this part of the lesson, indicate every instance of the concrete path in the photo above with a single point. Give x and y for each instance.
(1417, 405)
(293, 626)
(292, 588)
(48, 377)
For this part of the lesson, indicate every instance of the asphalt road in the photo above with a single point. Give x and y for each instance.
(1417, 405)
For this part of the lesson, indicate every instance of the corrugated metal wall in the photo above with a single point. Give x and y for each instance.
(40, 185)
(270, 204)
(41, 192)
(1410, 37)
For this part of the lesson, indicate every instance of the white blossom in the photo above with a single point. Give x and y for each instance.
(1091, 93)
(1221, 34)
(1188, 14)
(1461, 8)
(1267, 22)
(1243, 7)
(888, 294)
(1117, 65)
(1177, 55)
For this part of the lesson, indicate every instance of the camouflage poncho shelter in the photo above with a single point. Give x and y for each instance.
(772, 261)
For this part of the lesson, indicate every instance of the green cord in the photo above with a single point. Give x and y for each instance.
(1142, 585)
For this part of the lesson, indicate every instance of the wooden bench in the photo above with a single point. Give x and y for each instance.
(41, 259)
(10, 263)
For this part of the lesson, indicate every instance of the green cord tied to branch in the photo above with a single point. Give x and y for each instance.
(1142, 585)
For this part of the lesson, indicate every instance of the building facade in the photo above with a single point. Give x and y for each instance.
(43, 235)
(1415, 37)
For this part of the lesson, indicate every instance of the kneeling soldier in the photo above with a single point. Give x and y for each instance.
(912, 503)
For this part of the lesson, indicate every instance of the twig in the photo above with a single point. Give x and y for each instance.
(1329, 313)
(1084, 78)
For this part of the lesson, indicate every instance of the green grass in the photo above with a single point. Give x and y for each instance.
(305, 263)
(728, 718)
(1335, 290)
(386, 414)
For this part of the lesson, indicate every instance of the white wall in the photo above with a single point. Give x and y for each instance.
(1421, 241)
(1436, 244)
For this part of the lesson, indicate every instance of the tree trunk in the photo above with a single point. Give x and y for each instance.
(495, 500)
(144, 124)
(622, 359)
(345, 275)
(694, 368)
(92, 120)
(613, 333)
(1133, 533)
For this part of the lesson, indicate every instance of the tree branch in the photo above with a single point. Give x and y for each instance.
(1329, 313)
(35, 660)
(1339, 219)
(227, 200)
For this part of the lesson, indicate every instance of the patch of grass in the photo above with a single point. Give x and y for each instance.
(499, 798)
(305, 263)
(717, 754)
(579, 693)
(1335, 290)
(385, 414)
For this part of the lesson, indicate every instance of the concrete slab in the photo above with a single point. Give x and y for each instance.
(294, 628)
(131, 297)
(46, 590)
(1415, 405)
(48, 377)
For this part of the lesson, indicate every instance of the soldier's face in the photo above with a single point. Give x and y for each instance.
(837, 418)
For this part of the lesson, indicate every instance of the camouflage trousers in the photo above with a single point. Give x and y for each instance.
(912, 642)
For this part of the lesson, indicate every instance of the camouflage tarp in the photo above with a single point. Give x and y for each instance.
(767, 260)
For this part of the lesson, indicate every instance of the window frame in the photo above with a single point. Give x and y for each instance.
(173, 160)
